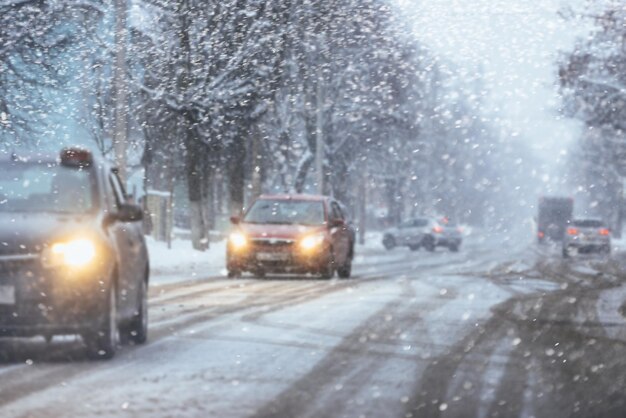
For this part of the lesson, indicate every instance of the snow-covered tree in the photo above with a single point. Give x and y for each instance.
(38, 40)
(593, 83)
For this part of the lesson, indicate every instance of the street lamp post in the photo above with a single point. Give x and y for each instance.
(120, 128)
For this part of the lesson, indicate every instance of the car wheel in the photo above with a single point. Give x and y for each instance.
(345, 271)
(234, 273)
(328, 270)
(414, 247)
(137, 330)
(389, 242)
(102, 343)
(259, 274)
(429, 243)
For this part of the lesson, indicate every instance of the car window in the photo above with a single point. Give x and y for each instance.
(336, 213)
(406, 224)
(588, 223)
(36, 187)
(419, 223)
(278, 211)
(118, 191)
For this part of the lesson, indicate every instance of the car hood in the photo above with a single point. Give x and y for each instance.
(278, 231)
(22, 233)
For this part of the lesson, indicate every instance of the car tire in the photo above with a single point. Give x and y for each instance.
(259, 274)
(102, 343)
(414, 247)
(234, 273)
(136, 331)
(389, 242)
(328, 270)
(345, 271)
(428, 243)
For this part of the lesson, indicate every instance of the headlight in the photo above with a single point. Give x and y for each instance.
(312, 241)
(75, 253)
(238, 240)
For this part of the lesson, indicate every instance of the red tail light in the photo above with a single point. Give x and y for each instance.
(605, 231)
(572, 231)
(540, 234)
(437, 230)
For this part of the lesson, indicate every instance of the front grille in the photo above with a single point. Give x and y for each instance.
(18, 266)
(266, 244)
(26, 274)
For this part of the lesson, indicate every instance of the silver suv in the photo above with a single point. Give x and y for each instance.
(423, 232)
(586, 235)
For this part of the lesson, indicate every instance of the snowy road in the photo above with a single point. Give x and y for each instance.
(499, 329)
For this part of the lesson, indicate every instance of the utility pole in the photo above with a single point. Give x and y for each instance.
(120, 85)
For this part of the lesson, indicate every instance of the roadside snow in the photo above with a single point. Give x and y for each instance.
(183, 263)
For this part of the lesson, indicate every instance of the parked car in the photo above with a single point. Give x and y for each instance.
(423, 232)
(73, 257)
(586, 236)
(291, 234)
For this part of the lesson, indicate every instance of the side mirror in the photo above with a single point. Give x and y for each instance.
(337, 223)
(235, 220)
(129, 213)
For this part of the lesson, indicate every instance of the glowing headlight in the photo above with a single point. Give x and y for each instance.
(312, 241)
(238, 240)
(76, 253)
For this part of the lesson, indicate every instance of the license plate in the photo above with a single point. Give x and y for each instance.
(7, 295)
(272, 257)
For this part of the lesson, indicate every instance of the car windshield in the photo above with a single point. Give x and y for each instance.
(588, 223)
(38, 187)
(301, 212)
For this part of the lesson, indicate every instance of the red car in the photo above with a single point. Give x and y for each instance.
(291, 234)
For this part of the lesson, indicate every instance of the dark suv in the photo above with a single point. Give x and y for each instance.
(291, 234)
(73, 259)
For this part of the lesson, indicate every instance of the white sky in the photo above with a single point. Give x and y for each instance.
(516, 44)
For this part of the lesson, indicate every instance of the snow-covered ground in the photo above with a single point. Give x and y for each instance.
(182, 263)
(502, 327)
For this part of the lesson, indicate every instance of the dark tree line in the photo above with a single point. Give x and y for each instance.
(593, 82)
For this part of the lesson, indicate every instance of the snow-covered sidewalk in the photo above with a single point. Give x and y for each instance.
(182, 262)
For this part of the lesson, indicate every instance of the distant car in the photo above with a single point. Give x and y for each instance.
(73, 259)
(425, 233)
(585, 236)
(291, 234)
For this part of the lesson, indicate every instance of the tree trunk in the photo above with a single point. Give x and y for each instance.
(362, 209)
(194, 186)
(256, 177)
(302, 172)
(236, 176)
(391, 190)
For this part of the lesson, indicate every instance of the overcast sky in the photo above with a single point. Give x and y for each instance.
(516, 44)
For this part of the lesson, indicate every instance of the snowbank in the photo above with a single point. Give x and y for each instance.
(182, 262)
